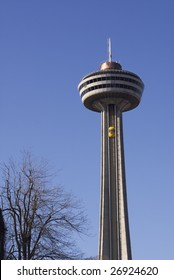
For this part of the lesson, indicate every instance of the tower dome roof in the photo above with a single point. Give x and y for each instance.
(110, 65)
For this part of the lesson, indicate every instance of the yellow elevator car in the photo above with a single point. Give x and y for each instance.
(111, 132)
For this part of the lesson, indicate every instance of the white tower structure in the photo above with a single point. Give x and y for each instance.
(112, 91)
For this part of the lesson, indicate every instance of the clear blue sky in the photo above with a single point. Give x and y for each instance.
(46, 47)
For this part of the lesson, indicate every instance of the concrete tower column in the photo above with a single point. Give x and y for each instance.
(114, 240)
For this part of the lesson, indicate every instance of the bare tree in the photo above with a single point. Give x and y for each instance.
(41, 220)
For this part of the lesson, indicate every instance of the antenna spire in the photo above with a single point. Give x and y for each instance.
(109, 64)
(109, 50)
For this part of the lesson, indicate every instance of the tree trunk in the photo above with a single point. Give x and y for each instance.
(2, 236)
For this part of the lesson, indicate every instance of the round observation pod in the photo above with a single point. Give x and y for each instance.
(111, 132)
(111, 85)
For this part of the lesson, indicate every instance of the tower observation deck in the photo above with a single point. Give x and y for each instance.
(112, 91)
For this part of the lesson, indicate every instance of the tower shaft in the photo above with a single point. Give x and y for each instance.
(114, 240)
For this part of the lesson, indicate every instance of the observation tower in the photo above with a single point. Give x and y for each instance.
(112, 91)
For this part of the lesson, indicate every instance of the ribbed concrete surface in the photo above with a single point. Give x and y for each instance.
(114, 241)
